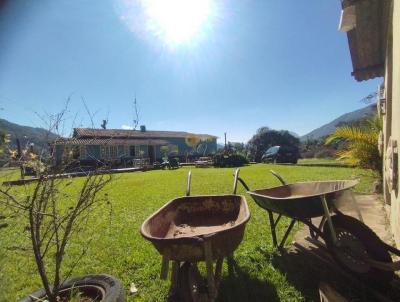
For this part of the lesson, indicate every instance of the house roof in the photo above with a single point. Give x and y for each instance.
(109, 141)
(367, 40)
(136, 134)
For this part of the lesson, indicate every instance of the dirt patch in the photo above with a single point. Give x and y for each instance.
(186, 230)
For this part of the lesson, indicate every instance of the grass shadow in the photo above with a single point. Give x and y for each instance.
(241, 286)
(305, 271)
(3, 224)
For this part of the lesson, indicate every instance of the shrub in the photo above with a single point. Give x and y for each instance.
(231, 160)
(324, 153)
(307, 154)
(360, 143)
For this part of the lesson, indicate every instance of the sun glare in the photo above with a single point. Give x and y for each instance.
(175, 22)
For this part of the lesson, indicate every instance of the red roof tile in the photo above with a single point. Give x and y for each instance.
(122, 133)
(109, 141)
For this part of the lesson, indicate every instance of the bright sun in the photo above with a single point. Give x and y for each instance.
(176, 21)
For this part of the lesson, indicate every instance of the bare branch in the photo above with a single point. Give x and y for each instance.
(136, 114)
(91, 116)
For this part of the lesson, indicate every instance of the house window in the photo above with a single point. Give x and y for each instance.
(75, 152)
(83, 152)
(173, 149)
(113, 153)
(121, 150)
(132, 151)
(143, 150)
(108, 152)
(67, 153)
(105, 152)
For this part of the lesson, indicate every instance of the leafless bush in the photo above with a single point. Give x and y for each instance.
(52, 222)
(55, 209)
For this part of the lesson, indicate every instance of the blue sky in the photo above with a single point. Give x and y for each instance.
(281, 64)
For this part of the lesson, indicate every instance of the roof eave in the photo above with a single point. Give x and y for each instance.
(367, 41)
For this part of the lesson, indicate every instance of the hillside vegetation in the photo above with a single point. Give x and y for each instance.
(38, 136)
(345, 119)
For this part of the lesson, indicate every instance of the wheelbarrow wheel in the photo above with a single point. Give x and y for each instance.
(355, 242)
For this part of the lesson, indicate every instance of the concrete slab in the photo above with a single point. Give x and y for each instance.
(373, 212)
(306, 264)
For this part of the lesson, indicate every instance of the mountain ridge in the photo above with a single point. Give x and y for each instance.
(346, 118)
(40, 137)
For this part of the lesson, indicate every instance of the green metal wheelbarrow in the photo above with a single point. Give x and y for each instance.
(352, 244)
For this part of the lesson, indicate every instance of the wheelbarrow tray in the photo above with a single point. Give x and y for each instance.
(179, 229)
(302, 200)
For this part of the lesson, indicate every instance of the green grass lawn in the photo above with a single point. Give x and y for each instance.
(323, 162)
(7, 174)
(117, 248)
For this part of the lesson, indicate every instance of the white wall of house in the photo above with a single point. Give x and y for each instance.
(392, 118)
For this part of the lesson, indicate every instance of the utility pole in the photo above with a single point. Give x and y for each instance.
(225, 140)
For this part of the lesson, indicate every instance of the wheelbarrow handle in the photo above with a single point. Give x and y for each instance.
(236, 179)
(189, 179)
(384, 266)
(279, 177)
(391, 249)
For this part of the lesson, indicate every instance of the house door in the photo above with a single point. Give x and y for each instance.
(151, 154)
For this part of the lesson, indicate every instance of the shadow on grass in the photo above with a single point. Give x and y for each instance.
(240, 286)
(305, 271)
(326, 165)
(3, 225)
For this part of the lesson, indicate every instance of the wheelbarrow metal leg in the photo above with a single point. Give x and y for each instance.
(209, 269)
(328, 218)
(277, 219)
(175, 276)
(272, 225)
(164, 268)
(218, 272)
(288, 230)
(312, 233)
(321, 224)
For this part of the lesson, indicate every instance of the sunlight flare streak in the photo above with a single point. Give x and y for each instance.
(173, 22)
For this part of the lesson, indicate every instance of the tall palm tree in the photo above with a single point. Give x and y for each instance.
(360, 143)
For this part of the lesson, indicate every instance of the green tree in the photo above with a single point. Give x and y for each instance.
(266, 138)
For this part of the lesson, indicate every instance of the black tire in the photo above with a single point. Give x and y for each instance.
(113, 289)
(349, 229)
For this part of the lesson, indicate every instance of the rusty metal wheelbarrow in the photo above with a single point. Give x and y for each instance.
(190, 229)
(352, 244)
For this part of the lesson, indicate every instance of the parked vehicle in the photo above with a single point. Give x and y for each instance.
(281, 154)
(170, 163)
